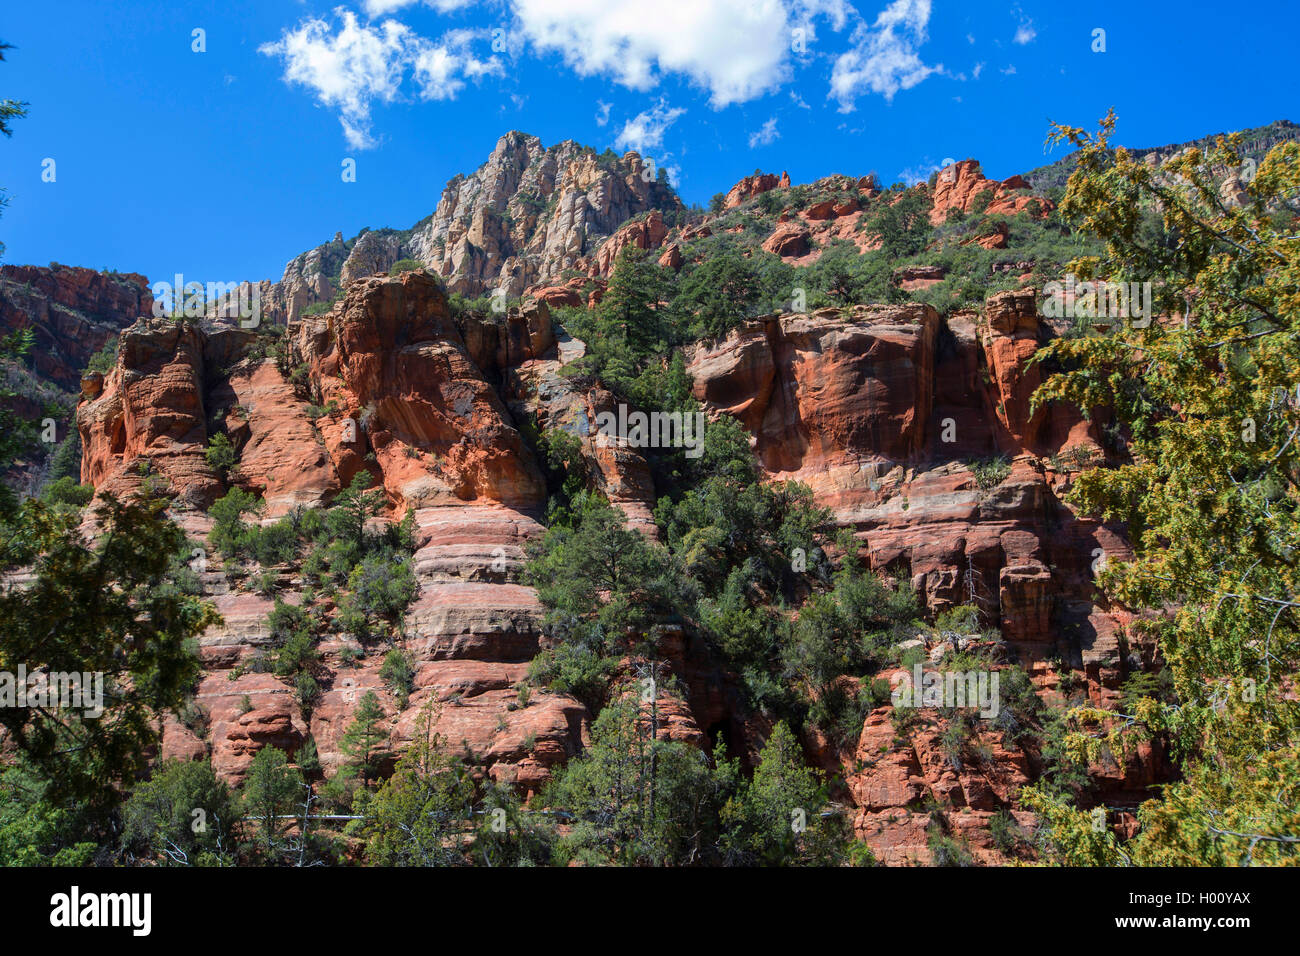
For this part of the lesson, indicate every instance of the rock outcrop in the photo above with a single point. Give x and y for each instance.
(789, 241)
(73, 313)
(149, 422)
(647, 233)
(957, 186)
(520, 220)
(409, 386)
(886, 413)
(755, 185)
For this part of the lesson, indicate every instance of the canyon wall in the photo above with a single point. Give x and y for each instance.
(883, 411)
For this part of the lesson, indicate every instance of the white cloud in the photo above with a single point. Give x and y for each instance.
(921, 172)
(377, 8)
(979, 68)
(1008, 70)
(646, 129)
(803, 13)
(347, 69)
(916, 174)
(766, 135)
(883, 58)
(438, 67)
(735, 49)
(1025, 33)
(352, 66)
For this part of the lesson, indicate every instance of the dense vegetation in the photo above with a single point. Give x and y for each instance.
(1209, 492)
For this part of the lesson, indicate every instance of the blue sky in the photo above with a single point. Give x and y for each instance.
(223, 164)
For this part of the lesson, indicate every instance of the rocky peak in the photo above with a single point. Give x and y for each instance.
(754, 185)
(957, 186)
(527, 214)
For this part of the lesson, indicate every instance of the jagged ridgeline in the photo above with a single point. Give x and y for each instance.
(524, 217)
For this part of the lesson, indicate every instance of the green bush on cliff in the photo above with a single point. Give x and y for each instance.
(66, 491)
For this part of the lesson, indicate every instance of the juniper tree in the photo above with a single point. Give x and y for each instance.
(1207, 485)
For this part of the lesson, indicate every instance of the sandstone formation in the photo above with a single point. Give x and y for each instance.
(883, 412)
(789, 241)
(755, 185)
(647, 233)
(73, 312)
(520, 220)
(956, 187)
(150, 417)
(430, 399)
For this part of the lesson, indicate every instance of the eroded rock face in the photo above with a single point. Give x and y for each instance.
(1013, 336)
(281, 459)
(755, 185)
(396, 366)
(373, 252)
(150, 416)
(470, 633)
(518, 221)
(789, 241)
(648, 233)
(911, 278)
(881, 411)
(74, 312)
(308, 278)
(957, 186)
(822, 392)
(563, 202)
(425, 394)
(885, 413)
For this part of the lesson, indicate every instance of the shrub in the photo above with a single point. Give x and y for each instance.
(221, 456)
(945, 851)
(574, 670)
(65, 491)
(990, 472)
(963, 619)
(266, 583)
(405, 265)
(1005, 832)
(398, 675)
(158, 821)
(271, 544)
(381, 588)
(981, 201)
(105, 359)
(228, 526)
